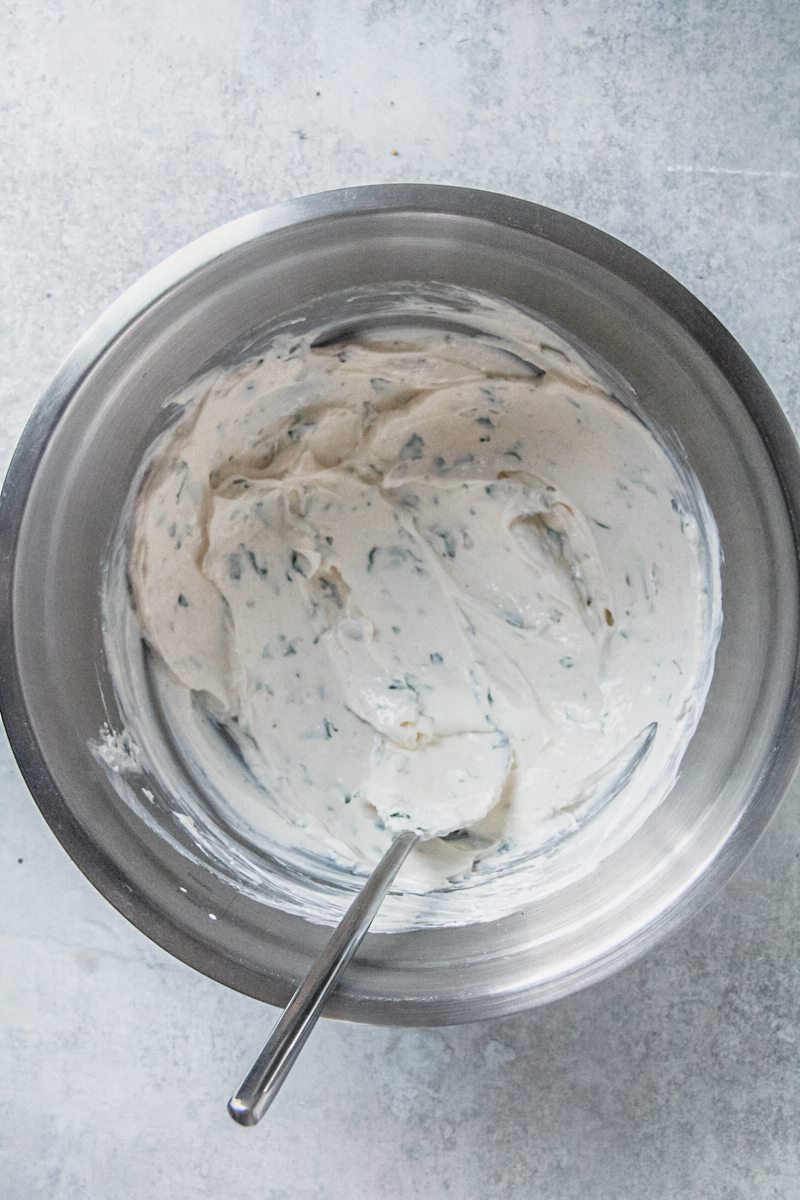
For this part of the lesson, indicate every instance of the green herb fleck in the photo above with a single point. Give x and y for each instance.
(330, 591)
(448, 542)
(456, 836)
(235, 567)
(413, 448)
(262, 571)
(555, 537)
(183, 467)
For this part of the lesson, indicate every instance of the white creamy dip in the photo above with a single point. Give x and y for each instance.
(426, 577)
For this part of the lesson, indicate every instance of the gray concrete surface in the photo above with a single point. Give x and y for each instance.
(130, 128)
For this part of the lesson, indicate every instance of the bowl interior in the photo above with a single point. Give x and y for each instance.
(75, 464)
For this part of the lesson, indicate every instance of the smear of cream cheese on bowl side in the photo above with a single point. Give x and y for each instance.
(437, 550)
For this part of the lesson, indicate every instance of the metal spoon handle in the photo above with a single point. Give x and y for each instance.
(265, 1078)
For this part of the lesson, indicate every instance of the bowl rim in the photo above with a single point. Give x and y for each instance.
(551, 225)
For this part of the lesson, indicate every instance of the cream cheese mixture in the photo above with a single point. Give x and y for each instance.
(411, 567)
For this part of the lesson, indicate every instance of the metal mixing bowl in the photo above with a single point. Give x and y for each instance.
(80, 450)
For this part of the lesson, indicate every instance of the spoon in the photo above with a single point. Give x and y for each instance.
(470, 770)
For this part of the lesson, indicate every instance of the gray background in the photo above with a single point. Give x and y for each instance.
(130, 128)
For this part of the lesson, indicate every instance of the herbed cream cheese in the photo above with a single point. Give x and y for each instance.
(432, 577)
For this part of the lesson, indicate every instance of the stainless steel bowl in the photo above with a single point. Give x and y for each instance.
(79, 452)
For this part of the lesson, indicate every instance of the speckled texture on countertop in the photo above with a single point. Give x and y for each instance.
(130, 128)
